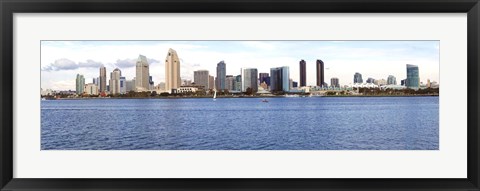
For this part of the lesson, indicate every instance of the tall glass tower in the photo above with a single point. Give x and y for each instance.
(413, 79)
(221, 75)
(80, 84)
(142, 74)
(357, 78)
(249, 79)
(303, 73)
(280, 79)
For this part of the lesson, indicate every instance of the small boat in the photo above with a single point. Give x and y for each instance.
(265, 100)
(215, 95)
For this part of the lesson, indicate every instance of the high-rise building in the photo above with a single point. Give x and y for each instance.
(303, 73)
(370, 80)
(403, 82)
(320, 73)
(211, 82)
(229, 82)
(130, 85)
(295, 84)
(200, 77)
(413, 79)
(380, 82)
(334, 82)
(391, 80)
(264, 77)
(172, 71)
(357, 78)
(115, 81)
(279, 79)
(238, 83)
(221, 75)
(249, 79)
(91, 89)
(151, 84)
(102, 84)
(79, 84)
(123, 85)
(142, 74)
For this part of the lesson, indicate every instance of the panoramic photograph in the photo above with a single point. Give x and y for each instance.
(239, 95)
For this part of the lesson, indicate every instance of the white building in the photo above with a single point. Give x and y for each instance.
(186, 89)
(91, 89)
(364, 85)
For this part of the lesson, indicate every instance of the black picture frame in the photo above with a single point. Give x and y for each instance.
(9, 7)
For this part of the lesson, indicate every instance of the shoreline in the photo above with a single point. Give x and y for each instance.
(263, 97)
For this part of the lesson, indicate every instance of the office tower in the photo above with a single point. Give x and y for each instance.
(403, 82)
(151, 84)
(123, 85)
(320, 73)
(413, 79)
(211, 82)
(295, 84)
(200, 77)
(229, 82)
(142, 74)
(334, 82)
(91, 89)
(391, 80)
(357, 78)
(80, 84)
(115, 81)
(130, 85)
(370, 80)
(102, 84)
(172, 71)
(249, 79)
(279, 79)
(264, 77)
(94, 81)
(221, 73)
(303, 73)
(238, 83)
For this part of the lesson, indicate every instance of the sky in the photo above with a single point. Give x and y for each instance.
(61, 61)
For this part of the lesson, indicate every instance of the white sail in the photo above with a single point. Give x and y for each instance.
(215, 95)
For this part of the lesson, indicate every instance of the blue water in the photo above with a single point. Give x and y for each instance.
(317, 123)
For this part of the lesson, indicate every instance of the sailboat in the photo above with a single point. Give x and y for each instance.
(215, 95)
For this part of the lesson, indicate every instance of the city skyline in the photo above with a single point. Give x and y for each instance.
(373, 59)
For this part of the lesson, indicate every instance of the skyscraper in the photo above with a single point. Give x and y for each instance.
(103, 79)
(357, 78)
(229, 82)
(279, 79)
(123, 85)
(200, 77)
(238, 83)
(391, 80)
(303, 73)
(370, 80)
(221, 75)
(211, 82)
(334, 82)
(413, 79)
(249, 79)
(79, 84)
(115, 81)
(142, 74)
(264, 77)
(320, 73)
(172, 71)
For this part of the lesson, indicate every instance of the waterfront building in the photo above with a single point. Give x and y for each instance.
(211, 82)
(91, 89)
(115, 81)
(123, 85)
(357, 78)
(79, 84)
(142, 74)
(102, 84)
(187, 89)
(264, 77)
(151, 84)
(172, 71)
(221, 75)
(380, 82)
(370, 80)
(130, 85)
(295, 84)
(413, 79)
(229, 82)
(264, 85)
(249, 79)
(364, 85)
(47, 92)
(186, 82)
(279, 79)
(303, 73)
(428, 83)
(161, 87)
(320, 73)
(334, 82)
(238, 83)
(200, 77)
(391, 80)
